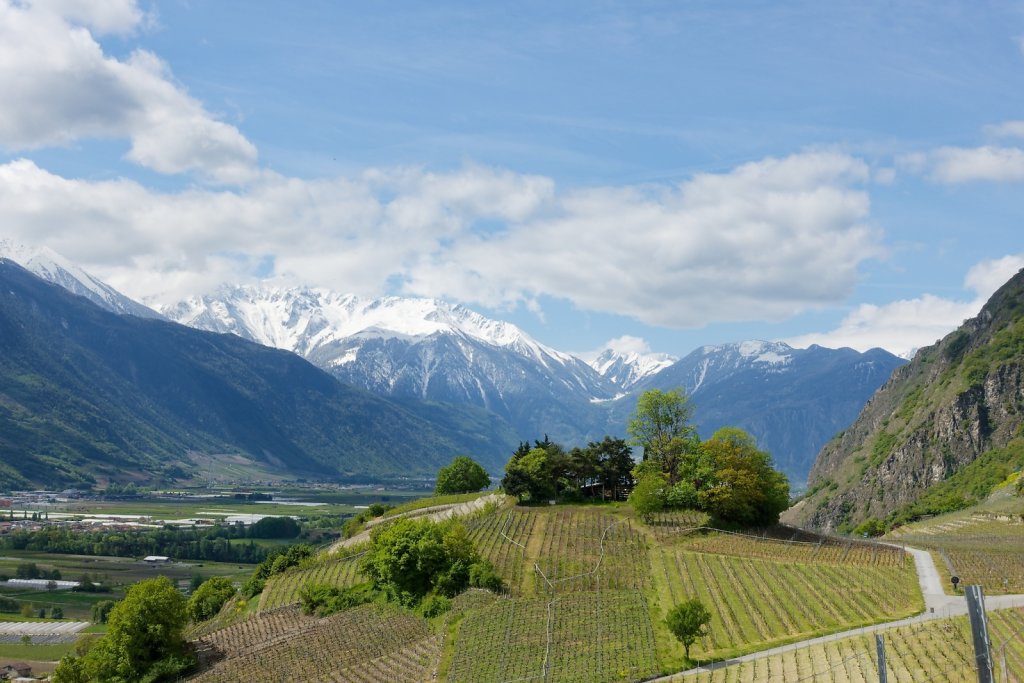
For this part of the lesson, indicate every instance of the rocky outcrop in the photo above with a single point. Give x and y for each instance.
(953, 402)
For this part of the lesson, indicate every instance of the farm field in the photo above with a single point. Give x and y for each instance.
(586, 591)
(938, 651)
(980, 547)
(367, 643)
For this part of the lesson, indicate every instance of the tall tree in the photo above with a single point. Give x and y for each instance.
(661, 426)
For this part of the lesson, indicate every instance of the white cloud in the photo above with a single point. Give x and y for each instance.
(962, 165)
(763, 241)
(102, 16)
(64, 88)
(902, 327)
(1010, 129)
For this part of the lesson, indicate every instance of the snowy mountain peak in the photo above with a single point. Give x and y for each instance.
(48, 265)
(626, 368)
(302, 319)
(753, 351)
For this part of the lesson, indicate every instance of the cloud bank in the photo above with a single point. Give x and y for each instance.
(904, 326)
(67, 89)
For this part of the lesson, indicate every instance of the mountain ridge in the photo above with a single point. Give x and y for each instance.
(954, 402)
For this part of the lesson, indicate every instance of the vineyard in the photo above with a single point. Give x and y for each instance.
(577, 638)
(586, 590)
(937, 651)
(760, 601)
(283, 589)
(367, 643)
(982, 549)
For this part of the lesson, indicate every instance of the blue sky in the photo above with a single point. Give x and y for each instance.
(654, 175)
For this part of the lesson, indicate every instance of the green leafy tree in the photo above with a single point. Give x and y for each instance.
(746, 489)
(463, 475)
(101, 611)
(614, 464)
(144, 638)
(661, 426)
(412, 558)
(688, 621)
(70, 669)
(209, 598)
(648, 495)
(530, 476)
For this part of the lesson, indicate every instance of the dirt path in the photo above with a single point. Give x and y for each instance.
(434, 513)
(938, 605)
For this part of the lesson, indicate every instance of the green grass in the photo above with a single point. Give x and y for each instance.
(41, 653)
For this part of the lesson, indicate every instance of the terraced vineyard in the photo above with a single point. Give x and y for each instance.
(937, 651)
(283, 589)
(501, 538)
(587, 590)
(761, 601)
(582, 637)
(980, 548)
(363, 644)
(591, 550)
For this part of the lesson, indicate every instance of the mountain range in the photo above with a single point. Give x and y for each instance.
(87, 395)
(451, 364)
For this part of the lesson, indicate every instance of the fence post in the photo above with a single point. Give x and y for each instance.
(979, 631)
(880, 648)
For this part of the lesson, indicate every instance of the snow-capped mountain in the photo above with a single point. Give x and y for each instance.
(418, 348)
(791, 400)
(626, 369)
(52, 267)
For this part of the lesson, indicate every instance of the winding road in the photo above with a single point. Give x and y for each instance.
(937, 605)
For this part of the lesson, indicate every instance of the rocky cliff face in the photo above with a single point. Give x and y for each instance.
(955, 401)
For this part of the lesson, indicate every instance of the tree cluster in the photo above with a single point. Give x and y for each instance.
(725, 475)
(548, 471)
(185, 544)
(412, 559)
(209, 597)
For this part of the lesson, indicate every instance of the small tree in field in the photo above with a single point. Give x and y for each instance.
(688, 621)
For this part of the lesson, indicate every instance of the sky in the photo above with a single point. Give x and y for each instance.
(644, 176)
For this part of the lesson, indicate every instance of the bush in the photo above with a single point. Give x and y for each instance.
(435, 605)
(324, 599)
(211, 595)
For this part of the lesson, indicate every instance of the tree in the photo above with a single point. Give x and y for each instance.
(414, 557)
(70, 669)
(144, 636)
(661, 426)
(101, 611)
(209, 598)
(614, 464)
(648, 496)
(530, 475)
(746, 488)
(463, 475)
(688, 621)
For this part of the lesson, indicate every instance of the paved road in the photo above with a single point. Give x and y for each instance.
(938, 605)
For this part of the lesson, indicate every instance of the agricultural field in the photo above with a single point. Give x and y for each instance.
(937, 651)
(284, 589)
(368, 643)
(979, 547)
(580, 637)
(587, 588)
